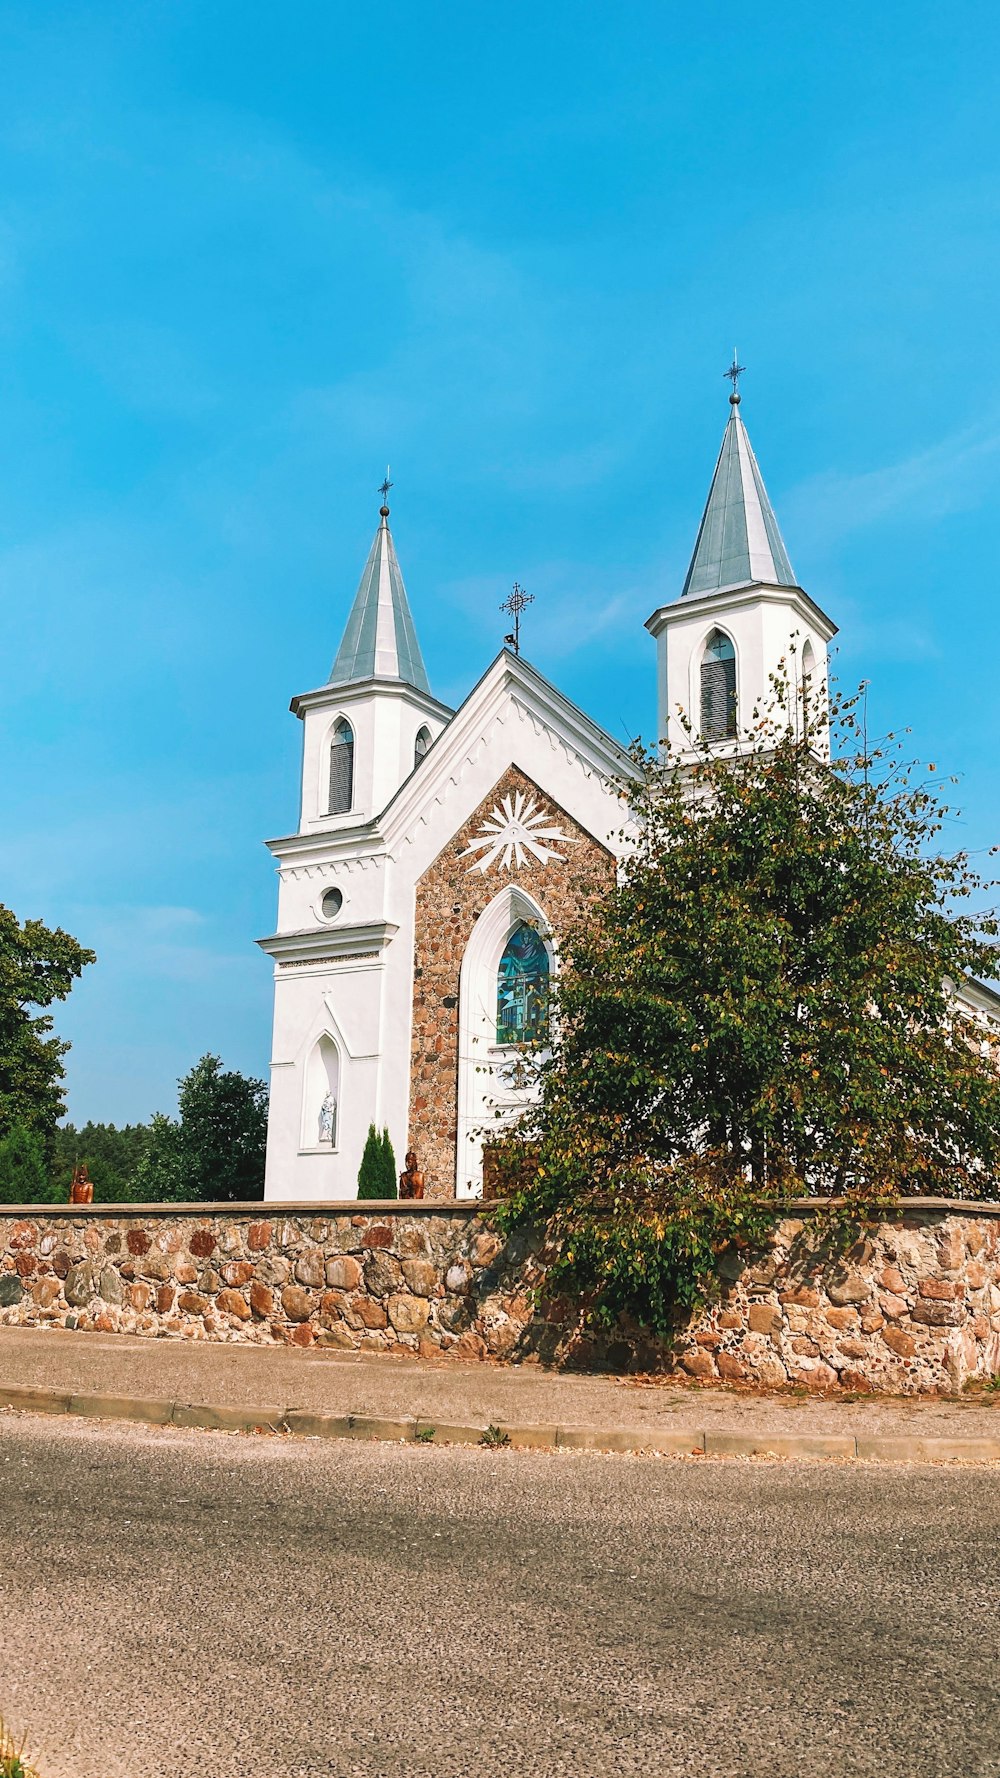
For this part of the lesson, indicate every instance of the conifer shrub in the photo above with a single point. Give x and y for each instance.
(389, 1182)
(377, 1173)
(370, 1176)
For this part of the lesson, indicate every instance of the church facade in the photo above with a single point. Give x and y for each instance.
(439, 853)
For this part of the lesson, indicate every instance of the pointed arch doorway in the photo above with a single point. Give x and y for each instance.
(503, 1002)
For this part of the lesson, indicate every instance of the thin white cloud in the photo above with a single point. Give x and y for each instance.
(955, 475)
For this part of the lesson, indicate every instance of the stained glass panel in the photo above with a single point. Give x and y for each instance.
(523, 987)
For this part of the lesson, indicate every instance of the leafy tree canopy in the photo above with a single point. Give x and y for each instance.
(763, 1005)
(38, 965)
(223, 1132)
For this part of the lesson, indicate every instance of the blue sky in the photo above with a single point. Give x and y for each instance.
(249, 254)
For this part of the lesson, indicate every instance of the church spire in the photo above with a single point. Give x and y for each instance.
(738, 539)
(380, 640)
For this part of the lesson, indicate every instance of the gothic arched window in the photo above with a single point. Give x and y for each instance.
(718, 688)
(523, 987)
(342, 769)
(421, 745)
(808, 689)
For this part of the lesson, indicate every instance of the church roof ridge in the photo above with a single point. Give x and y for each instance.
(738, 539)
(380, 639)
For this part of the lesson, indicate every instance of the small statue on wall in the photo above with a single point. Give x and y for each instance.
(328, 1118)
(81, 1190)
(411, 1183)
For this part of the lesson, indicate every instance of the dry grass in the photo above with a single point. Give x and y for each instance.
(13, 1763)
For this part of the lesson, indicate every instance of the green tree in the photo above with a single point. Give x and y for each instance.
(390, 1187)
(38, 966)
(371, 1174)
(24, 1177)
(223, 1132)
(763, 1005)
(159, 1175)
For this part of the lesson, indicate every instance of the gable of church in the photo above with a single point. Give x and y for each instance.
(518, 835)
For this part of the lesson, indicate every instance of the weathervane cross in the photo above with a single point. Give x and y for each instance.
(734, 374)
(386, 485)
(515, 605)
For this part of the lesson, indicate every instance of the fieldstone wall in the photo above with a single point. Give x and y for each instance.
(913, 1306)
(449, 899)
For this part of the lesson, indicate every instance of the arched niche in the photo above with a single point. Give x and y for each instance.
(321, 1119)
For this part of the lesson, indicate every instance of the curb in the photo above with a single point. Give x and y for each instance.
(675, 1441)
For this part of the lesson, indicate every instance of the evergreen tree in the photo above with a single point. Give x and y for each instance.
(390, 1186)
(371, 1174)
(23, 1174)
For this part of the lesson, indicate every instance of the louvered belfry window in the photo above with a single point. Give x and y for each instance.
(342, 769)
(718, 688)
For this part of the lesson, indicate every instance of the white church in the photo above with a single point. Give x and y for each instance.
(440, 852)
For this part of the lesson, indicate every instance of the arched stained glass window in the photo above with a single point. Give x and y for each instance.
(718, 688)
(342, 769)
(523, 987)
(421, 745)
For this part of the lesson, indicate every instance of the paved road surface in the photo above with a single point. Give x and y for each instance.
(181, 1603)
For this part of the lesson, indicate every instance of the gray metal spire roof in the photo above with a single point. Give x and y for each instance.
(380, 639)
(738, 539)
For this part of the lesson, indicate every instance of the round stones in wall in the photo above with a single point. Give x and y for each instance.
(331, 903)
(516, 831)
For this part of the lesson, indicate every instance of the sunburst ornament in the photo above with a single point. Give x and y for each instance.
(516, 831)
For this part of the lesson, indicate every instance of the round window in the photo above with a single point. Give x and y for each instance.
(331, 903)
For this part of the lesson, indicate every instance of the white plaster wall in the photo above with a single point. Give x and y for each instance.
(345, 1002)
(303, 882)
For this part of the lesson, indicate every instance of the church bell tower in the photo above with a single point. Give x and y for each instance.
(741, 620)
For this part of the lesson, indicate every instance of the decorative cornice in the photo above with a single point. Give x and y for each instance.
(327, 944)
(332, 845)
(753, 592)
(378, 686)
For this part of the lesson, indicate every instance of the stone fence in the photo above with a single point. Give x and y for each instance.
(913, 1306)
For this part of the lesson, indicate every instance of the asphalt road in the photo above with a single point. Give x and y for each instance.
(181, 1603)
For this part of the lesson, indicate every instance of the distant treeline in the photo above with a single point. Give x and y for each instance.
(213, 1149)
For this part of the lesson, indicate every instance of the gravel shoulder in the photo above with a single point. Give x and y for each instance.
(450, 1391)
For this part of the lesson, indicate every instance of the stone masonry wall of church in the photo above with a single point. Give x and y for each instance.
(449, 899)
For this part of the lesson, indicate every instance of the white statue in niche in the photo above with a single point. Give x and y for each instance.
(328, 1117)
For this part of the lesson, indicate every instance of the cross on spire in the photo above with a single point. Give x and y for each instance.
(734, 374)
(384, 491)
(515, 605)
